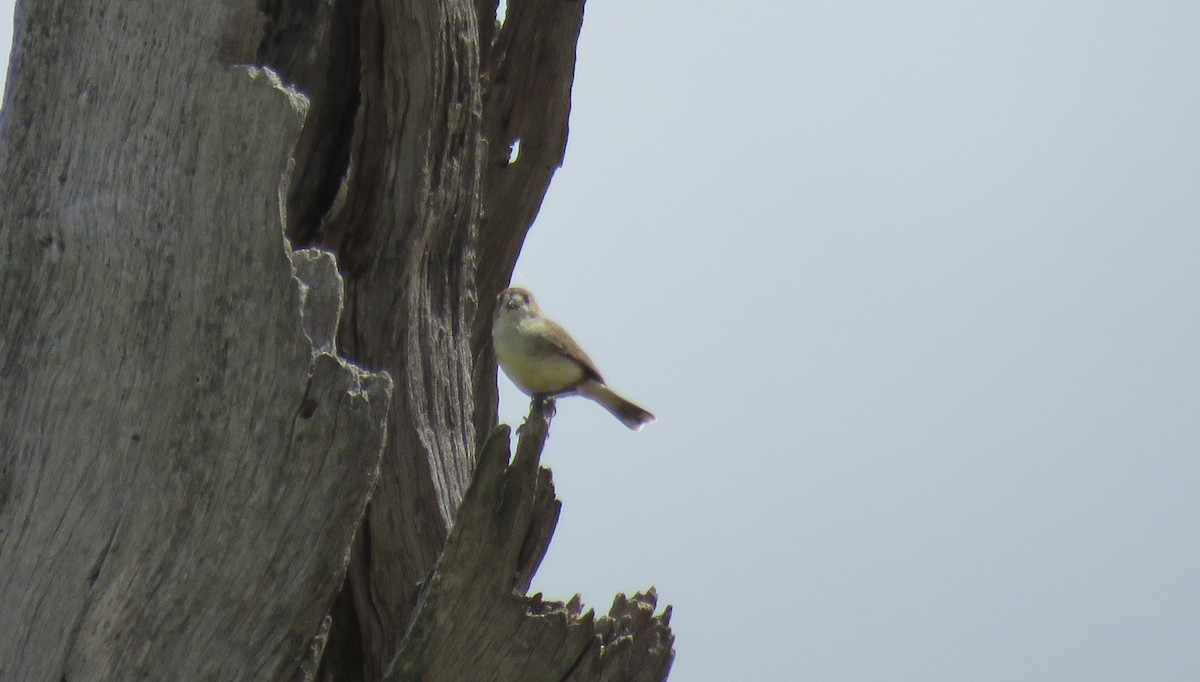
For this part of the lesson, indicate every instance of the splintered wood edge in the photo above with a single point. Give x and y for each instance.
(476, 589)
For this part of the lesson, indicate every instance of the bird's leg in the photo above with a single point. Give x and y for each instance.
(538, 402)
(543, 403)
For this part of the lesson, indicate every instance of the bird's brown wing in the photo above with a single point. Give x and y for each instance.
(562, 343)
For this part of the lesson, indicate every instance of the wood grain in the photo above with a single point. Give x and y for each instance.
(230, 455)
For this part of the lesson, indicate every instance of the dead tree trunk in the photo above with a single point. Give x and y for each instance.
(204, 476)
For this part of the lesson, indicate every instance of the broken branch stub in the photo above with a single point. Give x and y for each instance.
(473, 617)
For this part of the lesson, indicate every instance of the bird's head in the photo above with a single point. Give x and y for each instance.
(516, 300)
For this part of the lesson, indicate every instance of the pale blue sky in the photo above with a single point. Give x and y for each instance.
(913, 290)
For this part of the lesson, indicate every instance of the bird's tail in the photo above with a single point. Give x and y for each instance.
(630, 414)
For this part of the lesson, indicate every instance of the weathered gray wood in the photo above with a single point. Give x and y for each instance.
(529, 70)
(314, 45)
(472, 620)
(405, 232)
(322, 296)
(187, 461)
(180, 474)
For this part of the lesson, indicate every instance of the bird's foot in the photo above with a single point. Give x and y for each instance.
(542, 401)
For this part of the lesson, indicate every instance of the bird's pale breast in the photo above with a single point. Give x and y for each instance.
(529, 361)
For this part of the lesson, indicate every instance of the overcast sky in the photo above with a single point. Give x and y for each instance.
(913, 289)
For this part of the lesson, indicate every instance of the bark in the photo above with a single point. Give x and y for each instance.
(187, 452)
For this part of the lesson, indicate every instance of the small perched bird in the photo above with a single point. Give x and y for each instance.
(543, 360)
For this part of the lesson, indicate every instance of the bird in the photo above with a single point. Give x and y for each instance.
(542, 359)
